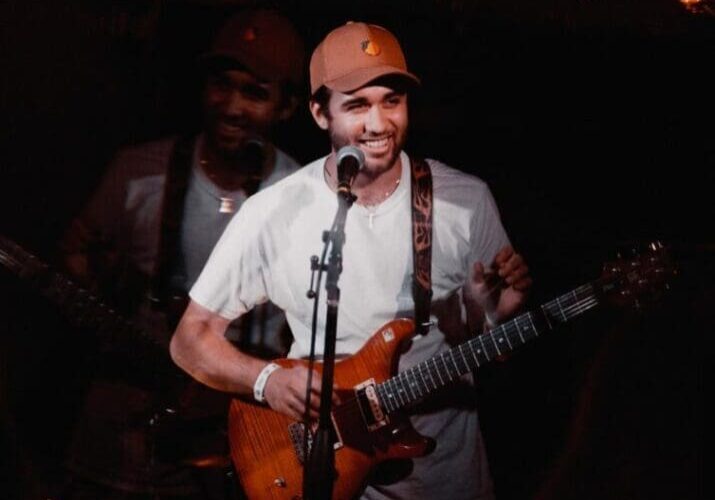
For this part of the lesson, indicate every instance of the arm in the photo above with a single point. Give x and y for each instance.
(88, 247)
(200, 348)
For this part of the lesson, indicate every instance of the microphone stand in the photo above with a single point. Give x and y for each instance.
(319, 473)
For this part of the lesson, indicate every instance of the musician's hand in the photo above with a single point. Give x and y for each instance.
(502, 289)
(285, 392)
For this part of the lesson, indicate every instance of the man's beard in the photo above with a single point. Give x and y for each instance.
(371, 172)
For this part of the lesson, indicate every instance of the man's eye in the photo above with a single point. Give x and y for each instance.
(255, 93)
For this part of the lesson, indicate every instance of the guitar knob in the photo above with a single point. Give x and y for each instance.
(279, 482)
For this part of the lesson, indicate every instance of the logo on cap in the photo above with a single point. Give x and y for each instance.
(370, 48)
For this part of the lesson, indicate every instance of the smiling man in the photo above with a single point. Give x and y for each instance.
(148, 230)
(360, 89)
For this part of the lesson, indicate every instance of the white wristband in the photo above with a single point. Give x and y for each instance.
(259, 386)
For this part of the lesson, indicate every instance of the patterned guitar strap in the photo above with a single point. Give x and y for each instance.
(421, 179)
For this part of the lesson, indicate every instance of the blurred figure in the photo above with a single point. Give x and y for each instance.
(145, 235)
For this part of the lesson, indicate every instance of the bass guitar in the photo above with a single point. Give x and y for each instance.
(184, 409)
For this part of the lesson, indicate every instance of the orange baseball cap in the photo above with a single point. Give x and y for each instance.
(355, 54)
(263, 41)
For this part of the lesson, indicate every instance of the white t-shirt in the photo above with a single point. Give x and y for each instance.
(264, 254)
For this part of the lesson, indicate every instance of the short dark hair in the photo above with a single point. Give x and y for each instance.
(322, 98)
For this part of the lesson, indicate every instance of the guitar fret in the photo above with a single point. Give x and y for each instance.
(450, 354)
(533, 327)
(474, 354)
(521, 336)
(577, 303)
(441, 380)
(401, 391)
(447, 371)
(484, 348)
(415, 382)
(427, 387)
(384, 404)
(455, 362)
(545, 312)
(506, 333)
(384, 397)
(389, 396)
(558, 303)
(429, 372)
(406, 387)
(395, 394)
(466, 361)
(494, 341)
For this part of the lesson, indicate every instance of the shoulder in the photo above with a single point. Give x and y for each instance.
(283, 166)
(296, 188)
(451, 182)
(145, 159)
(284, 162)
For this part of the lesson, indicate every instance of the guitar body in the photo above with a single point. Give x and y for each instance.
(267, 460)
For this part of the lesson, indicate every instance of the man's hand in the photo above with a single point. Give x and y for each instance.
(501, 289)
(285, 392)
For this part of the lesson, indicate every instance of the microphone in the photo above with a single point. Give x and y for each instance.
(350, 160)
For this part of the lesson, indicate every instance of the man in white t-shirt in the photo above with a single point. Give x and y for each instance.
(359, 86)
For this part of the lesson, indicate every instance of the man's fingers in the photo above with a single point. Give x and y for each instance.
(478, 274)
(517, 274)
(508, 266)
(523, 284)
(503, 255)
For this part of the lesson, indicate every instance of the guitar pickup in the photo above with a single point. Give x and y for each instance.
(369, 404)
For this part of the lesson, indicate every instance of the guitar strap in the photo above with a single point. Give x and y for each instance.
(172, 212)
(421, 180)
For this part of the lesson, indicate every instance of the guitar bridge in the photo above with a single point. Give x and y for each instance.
(296, 430)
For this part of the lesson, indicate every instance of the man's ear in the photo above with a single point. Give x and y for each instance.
(318, 114)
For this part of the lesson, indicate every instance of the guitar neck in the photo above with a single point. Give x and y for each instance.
(82, 308)
(417, 382)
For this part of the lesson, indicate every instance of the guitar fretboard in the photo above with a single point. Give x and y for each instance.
(83, 309)
(417, 382)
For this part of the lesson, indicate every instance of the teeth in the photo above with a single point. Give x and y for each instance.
(379, 143)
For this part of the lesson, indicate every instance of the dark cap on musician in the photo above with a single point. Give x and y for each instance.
(355, 54)
(264, 42)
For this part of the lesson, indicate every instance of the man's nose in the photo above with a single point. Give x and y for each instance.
(234, 104)
(376, 122)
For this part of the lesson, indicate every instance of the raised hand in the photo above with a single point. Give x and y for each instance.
(501, 289)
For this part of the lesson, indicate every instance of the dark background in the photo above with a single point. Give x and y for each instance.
(591, 122)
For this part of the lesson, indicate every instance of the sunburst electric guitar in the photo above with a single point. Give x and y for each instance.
(369, 423)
